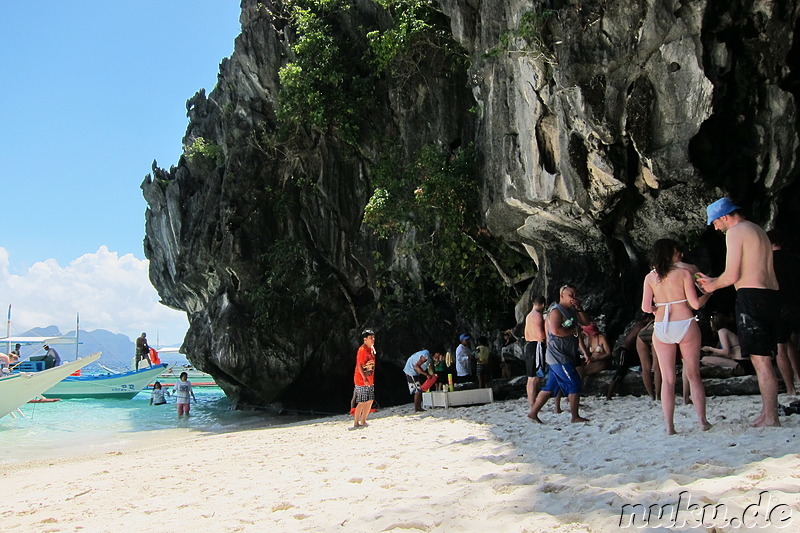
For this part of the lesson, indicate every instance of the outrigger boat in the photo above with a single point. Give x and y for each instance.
(123, 385)
(170, 376)
(18, 388)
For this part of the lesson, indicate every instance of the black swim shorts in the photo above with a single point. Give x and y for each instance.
(758, 321)
(530, 358)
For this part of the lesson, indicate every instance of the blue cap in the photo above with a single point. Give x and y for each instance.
(463, 337)
(720, 208)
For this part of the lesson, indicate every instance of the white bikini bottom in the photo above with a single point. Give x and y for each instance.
(672, 332)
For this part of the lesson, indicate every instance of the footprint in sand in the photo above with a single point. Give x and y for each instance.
(282, 507)
(553, 488)
(468, 440)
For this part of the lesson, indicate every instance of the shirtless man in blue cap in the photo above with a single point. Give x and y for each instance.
(748, 267)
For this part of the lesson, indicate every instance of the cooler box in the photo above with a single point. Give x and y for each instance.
(457, 398)
(31, 366)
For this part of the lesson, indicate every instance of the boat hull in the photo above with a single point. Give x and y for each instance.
(17, 389)
(198, 378)
(122, 386)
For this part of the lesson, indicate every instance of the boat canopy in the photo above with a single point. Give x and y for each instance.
(170, 349)
(39, 340)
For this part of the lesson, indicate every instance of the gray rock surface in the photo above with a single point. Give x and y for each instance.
(601, 126)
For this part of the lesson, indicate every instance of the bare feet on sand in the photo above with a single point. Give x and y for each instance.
(705, 426)
(578, 419)
(763, 422)
(535, 419)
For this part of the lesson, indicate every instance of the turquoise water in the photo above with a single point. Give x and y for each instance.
(85, 425)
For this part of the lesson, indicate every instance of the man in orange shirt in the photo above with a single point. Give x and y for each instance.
(364, 379)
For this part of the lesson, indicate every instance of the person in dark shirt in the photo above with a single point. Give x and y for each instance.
(51, 356)
(787, 265)
(142, 351)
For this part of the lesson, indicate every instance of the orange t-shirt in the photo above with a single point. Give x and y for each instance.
(365, 358)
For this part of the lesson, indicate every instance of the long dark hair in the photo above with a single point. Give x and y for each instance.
(720, 320)
(662, 254)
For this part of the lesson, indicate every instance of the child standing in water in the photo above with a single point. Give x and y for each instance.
(182, 391)
(157, 396)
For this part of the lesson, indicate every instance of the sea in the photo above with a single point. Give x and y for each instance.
(79, 426)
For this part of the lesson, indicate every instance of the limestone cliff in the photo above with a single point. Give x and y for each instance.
(596, 127)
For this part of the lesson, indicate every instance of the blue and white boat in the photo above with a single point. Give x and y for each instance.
(122, 385)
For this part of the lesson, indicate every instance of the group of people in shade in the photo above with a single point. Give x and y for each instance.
(426, 369)
(767, 320)
(564, 345)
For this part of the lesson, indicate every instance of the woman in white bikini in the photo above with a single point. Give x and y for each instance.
(669, 291)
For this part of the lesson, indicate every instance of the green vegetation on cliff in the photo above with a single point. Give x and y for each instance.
(325, 86)
(334, 83)
(437, 195)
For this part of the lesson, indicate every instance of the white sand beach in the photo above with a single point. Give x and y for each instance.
(480, 468)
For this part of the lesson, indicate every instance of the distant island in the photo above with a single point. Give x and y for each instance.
(117, 349)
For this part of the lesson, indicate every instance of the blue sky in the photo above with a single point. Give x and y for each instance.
(92, 93)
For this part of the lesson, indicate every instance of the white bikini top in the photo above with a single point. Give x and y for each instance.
(667, 304)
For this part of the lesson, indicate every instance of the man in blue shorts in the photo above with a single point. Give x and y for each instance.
(564, 342)
(749, 268)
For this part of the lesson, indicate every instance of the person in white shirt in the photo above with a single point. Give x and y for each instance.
(157, 397)
(417, 370)
(463, 357)
(182, 391)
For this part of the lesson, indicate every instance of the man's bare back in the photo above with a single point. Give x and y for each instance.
(534, 326)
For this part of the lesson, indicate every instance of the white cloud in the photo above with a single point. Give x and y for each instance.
(109, 292)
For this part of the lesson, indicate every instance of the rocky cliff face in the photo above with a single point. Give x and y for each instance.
(599, 126)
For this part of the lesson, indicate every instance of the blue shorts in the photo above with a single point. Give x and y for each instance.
(564, 378)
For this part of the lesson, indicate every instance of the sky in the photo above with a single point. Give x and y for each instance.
(90, 94)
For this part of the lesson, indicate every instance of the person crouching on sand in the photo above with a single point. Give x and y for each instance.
(182, 391)
(417, 369)
(564, 342)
